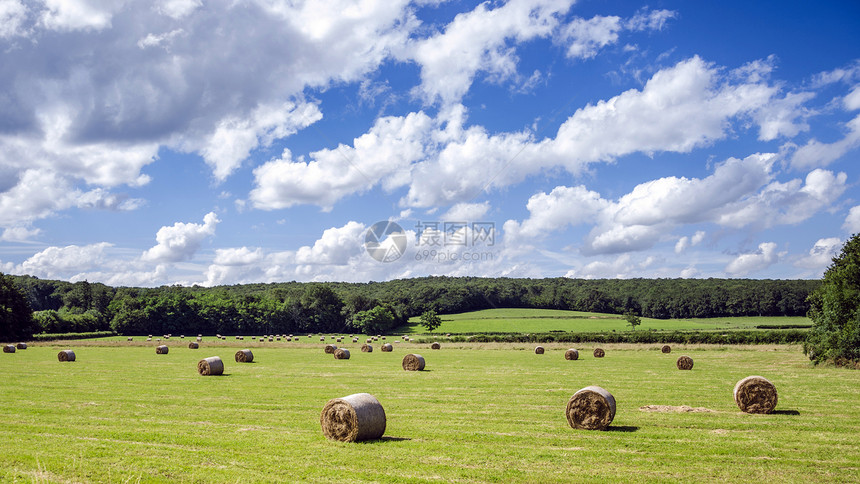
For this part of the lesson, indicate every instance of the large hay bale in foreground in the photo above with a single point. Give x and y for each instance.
(193, 345)
(685, 363)
(21, 346)
(244, 356)
(9, 349)
(599, 353)
(329, 349)
(341, 354)
(161, 350)
(435, 346)
(755, 394)
(539, 350)
(571, 354)
(413, 362)
(387, 348)
(666, 349)
(210, 366)
(591, 408)
(66, 355)
(366, 348)
(353, 418)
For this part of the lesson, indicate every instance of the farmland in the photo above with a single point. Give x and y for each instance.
(478, 413)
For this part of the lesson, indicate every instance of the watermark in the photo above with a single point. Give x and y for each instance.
(453, 256)
(437, 241)
(385, 241)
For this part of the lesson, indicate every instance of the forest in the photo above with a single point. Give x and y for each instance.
(375, 307)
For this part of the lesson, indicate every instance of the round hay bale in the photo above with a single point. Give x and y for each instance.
(210, 366)
(413, 362)
(161, 350)
(755, 394)
(322, 338)
(9, 349)
(571, 354)
(130, 338)
(341, 354)
(21, 346)
(666, 349)
(685, 363)
(435, 346)
(353, 418)
(199, 339)
(355, 340)
(66, 355)
(591, 408)
(599, 353)
(149, 339)
(244, 356)
(387, 348)
(181, 336)
(270, 340)
(366, 348)
(329, 349)
(539, 350)
(193, 345)
(338, 340)
(369, 340)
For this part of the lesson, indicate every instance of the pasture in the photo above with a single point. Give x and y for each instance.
(478, 413)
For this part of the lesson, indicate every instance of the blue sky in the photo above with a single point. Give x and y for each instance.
(223, 142)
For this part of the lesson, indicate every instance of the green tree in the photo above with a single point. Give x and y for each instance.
(16, 317)
(430, 320)
(835, 310)
(372, 321)
(632, 319)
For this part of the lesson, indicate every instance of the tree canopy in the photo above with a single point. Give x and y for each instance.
(16, 317)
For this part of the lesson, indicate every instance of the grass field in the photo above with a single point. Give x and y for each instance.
(480, 413)
(545, 320)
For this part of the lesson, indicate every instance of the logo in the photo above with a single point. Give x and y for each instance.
(385, 241)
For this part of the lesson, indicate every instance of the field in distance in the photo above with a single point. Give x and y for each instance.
(522, 320)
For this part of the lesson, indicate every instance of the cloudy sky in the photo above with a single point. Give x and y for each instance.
(220, 142)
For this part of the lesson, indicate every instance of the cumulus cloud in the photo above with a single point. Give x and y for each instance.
(821, 254)
(19, 234)
(585, 37)
(65, 262)
(181, 240)
(13, 13)
(764, 257)
(852, 221)
(816, 153)
(686, 242)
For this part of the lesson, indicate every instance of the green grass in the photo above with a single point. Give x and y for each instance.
(480, 413)
(521, 320)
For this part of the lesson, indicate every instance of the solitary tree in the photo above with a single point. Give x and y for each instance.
(632, 319)
(430, 320)
(16, 318)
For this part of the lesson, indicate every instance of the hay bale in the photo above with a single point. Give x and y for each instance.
(149, 339)
(199, 339)
(755, 394)
(685, 363)
(193, 345)
(366, 348)
(341, 354)
(539, 350)
(9, 349)
(666, 349)
(354, 340)
(387, 348)
(329, 349)
(413, 362)
(599, 353)
(591, 408)
(435, 346)
(571, 354)
(322, 338)
(66, 355)
(161, 350)
(338, 340)
(130, 338)
(353, 418)
(369, 340)
(21, 346)
(244, 356)
(210, 366)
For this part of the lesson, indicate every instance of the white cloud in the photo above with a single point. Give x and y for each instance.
(181, 240)
(764, 257)
(177, 9)
(76, 14)
(19, 234)
(564, 206)
(466, 212)
(852, 221)
(821, 254)
(815, 153)
(13, 13)
(852, 100)
(65, 262)
(587, 36)
(336, 246)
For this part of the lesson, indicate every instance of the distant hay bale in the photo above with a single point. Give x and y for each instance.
(366, 348)
(181, 336)
(290, 338)
(21, 346)
(130, 338)
(278, 338)
(666, 349)
(599, 353)
(387, 348)
(755, 394)
(161, 350)
(435, 346)
(322, 338)
(244, 356)
(270, 340)
(355, 340)
(210, 366)
(383, 338)
(341, 354)
(375, 338)
(353, 418)
(539, 350)
(66, 355)
(591, 408)
(571, 354)
(329, 349)
(338, 340)
(193, 345)
(9, 349)
(413, 362)
(254, 338)
(199, 338)
(685, 363)
(369, 340)
(149, 339)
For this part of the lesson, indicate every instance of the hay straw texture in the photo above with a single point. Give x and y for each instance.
(755, 394)
(366, 348)
(9, 349)
(685, 363)
(413, 362)
(435, 346)
(387, 348)
(22, 346)
(161, 350)
(66, 355)
(599, 353)
(666, 349)
(353, 418)
(571, 354)
(193, 345)
(329, 349)
(539, 350)
(210, 366)
(591, 408)
(341, 354)
(244, 356)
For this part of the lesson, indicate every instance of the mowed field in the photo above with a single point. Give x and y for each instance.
(478, 413)
(544, 320)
